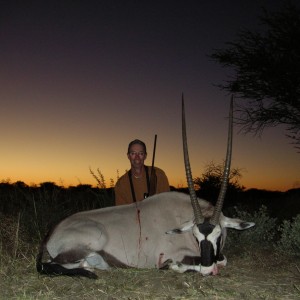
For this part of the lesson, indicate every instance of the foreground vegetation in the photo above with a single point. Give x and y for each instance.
(263, 262)
(247, 276)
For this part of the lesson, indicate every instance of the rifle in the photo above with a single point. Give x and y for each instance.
(152, 184)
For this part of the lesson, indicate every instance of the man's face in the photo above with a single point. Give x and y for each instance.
(136, 155)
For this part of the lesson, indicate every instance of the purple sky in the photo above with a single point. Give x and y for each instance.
(81, 79)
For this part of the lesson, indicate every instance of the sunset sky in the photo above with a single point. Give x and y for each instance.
(81, 79)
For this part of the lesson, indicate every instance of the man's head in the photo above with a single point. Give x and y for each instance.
(137, 153)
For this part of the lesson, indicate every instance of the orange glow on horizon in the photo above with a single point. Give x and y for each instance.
(181, 183)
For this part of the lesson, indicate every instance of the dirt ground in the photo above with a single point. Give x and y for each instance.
(247, 276)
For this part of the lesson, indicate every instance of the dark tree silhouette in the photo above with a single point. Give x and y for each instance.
(266, 73)
(209, 184)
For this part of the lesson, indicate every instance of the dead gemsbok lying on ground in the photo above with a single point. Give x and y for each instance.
(169, 230)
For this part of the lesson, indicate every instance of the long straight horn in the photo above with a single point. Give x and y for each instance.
(189, 178)
(219, 205)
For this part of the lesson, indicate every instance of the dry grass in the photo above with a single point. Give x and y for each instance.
(250, 274)
(248, 277)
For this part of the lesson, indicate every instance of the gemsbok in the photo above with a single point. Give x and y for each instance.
(170, 230)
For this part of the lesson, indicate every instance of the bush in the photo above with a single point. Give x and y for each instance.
(289, 243)
(262, 234)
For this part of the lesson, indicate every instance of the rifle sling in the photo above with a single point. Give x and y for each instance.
(132, 187)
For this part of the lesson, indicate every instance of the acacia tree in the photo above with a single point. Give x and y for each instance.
(266, 73)
(209, 184)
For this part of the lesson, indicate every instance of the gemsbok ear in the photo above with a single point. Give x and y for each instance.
(236, 223)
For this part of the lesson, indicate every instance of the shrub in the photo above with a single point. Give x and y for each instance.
(289, 242)
(262, 234)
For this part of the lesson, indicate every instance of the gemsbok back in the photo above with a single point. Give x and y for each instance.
(166, 231)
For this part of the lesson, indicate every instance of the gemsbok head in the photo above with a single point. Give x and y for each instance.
(209, 230)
